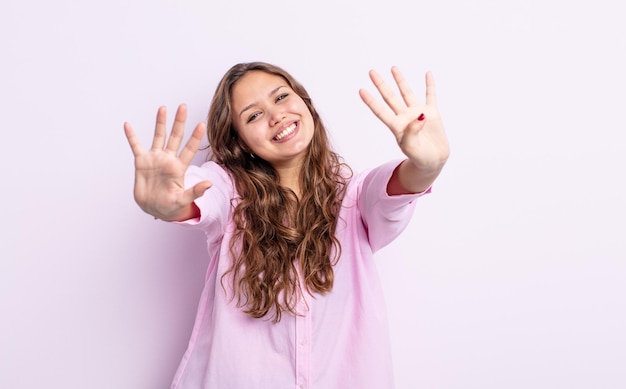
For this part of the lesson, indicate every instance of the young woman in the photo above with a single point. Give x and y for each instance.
(292, 298)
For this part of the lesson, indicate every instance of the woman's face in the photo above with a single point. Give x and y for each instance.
(272, 120)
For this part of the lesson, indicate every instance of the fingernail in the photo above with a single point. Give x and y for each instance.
(421, 117)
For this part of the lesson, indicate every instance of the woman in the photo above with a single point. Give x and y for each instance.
(292, 297)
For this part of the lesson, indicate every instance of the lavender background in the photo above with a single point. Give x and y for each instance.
(511, 275)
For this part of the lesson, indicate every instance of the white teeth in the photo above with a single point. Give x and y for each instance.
(286, 132)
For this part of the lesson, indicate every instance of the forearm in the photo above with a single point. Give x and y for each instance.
(408, 178)
(190, 211)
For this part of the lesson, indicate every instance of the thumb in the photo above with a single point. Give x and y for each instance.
(199, 189)
(196, 191)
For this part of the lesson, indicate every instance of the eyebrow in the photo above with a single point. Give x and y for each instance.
(256, 102)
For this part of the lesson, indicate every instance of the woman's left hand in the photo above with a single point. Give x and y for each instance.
(417, 127)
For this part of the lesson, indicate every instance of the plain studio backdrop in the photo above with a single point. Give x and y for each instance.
(512, 274)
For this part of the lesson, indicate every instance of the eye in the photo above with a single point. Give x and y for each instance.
(252, 117)
(281, 97)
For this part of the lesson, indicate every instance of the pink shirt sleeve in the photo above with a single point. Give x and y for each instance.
(215, 203)
(384, 216)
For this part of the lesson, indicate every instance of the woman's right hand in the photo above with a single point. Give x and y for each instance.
(160, 171)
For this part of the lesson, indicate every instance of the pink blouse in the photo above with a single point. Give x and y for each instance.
(339, 340)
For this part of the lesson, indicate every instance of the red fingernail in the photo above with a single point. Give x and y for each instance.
(421, 117)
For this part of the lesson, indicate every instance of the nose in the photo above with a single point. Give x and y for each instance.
(276, 115)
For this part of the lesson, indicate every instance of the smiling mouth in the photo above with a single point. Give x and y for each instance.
(286, 132)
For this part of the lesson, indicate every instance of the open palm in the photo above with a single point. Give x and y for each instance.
(417, 127)
(159, 172)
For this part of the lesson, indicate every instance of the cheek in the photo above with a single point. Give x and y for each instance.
(252, 136)
(309, 120)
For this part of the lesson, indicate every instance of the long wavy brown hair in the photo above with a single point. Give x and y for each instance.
(275, 230)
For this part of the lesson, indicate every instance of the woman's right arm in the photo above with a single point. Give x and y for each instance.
(159, 172)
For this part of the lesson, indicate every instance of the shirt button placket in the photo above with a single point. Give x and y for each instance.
(303, 346)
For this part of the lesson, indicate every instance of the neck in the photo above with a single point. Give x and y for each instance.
(290, 178)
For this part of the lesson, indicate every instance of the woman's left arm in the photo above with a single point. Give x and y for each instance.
(418, 130)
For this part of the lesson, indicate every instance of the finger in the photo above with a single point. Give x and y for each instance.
(178, 129)
(403, 86)
(196, 191)
(387, 94)
(431, 98)
(377, 108)
(133, 141)
(190, 149)
(159, 129)
(201, 187)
